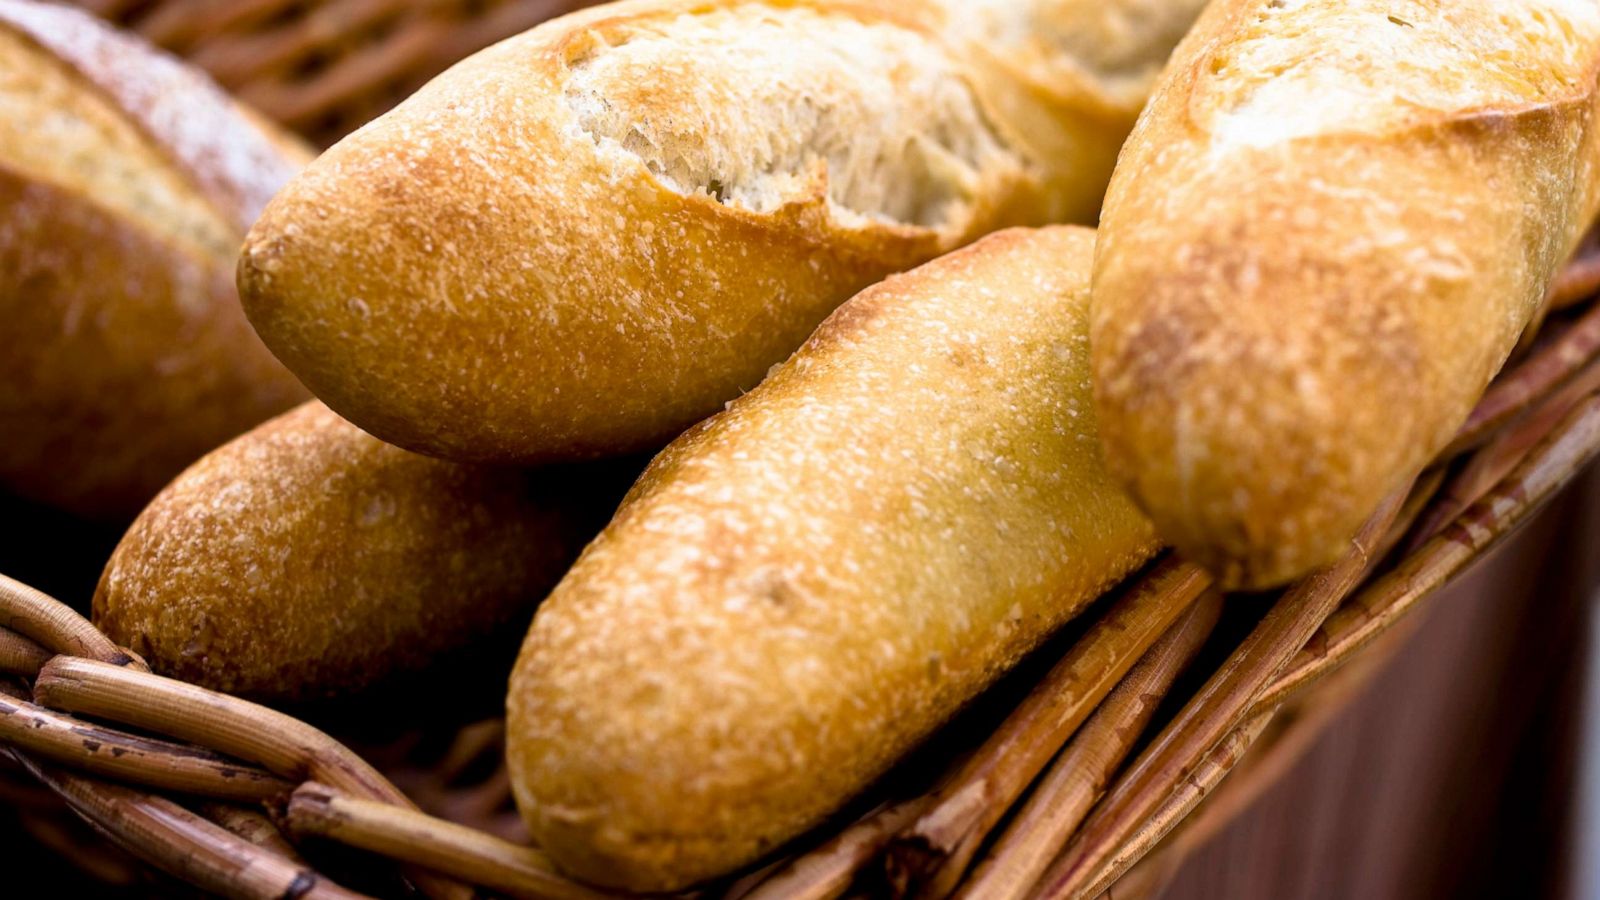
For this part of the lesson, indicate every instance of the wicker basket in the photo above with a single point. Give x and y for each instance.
(324, 67)
(1099, 765)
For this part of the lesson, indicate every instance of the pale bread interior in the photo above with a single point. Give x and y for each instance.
(1119, 47)
(753, 104)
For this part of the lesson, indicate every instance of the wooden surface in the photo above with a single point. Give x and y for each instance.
(1453, 773)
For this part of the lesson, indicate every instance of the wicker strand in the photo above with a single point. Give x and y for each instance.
(1525, 457)
(1500, 455)
(1574, 443)
(188, 26)
(109, 753)
(1079, 776)
(52, 624)
(1551, 465)
(1221, 706)
(828, 871)
(1556, 461)
(1579, 280)
(250, 824)
(302, 105)
(1278, 749)
(326, 67)
(445, 847)
(1066, 809)
(930, 857)
(1214, 766)
(499, 22)
(20, 656)
(183, 844)
(240, 57)
(283, 745)
(1549, 366)
(1203, 778)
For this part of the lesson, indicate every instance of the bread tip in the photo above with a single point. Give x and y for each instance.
(587, 849)
(262, 272)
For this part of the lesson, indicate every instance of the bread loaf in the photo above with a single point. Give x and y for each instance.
(803, 587)
(1328, 230)
(582, 240)
(126, 184)
(306, 559)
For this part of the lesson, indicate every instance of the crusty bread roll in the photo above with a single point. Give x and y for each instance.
(803, 587)
(126, 184)
(582, 240)
(307, 559)
(1325, 235)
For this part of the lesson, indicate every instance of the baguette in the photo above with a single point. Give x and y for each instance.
(306, 560)
(126, 185)
(580, 241)
(1328, 230)
(803, 587)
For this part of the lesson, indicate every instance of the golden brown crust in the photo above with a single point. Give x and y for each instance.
(1323, 238)
(801, 588)
(307, 559)
(125, 355)
(583, 239)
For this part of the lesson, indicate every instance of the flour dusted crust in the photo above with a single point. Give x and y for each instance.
(582, 240)
(802, 588)
(1326, 233)
(126, 183)
(307, 559)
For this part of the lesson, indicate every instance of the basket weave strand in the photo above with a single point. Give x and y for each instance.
(49, 735)
(1080, 775)
(324, 67)
(411, 836)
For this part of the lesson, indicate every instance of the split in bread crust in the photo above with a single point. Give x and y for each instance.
(584, 239)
